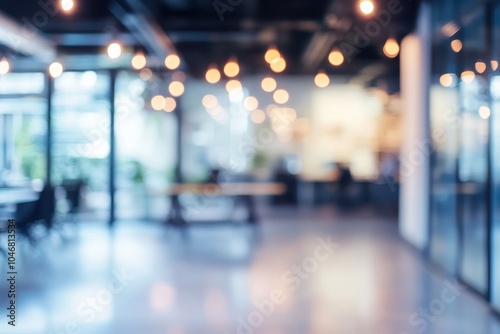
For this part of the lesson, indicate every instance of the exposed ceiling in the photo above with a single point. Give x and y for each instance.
(206, 32)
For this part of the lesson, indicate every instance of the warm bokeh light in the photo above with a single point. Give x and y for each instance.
(209, 101)
(146, 74)
(391, 48)
(268, 85)
(233, 84)
(258, 116)
(484, 112)
(480, 67)
(139, 61)
(158, 102)
(494, 65)
(55, 70)
(172, 62)
(447, 80)
(4, 66)
(272, 55)
(170, 104)
(114, 50)
(321, 80)
(281, 96)
(176, 88)
(231, 69)
(251, 103)
(456, 45)
(213, 75)
(336, 58)
(468, 76)
(278, 65)
(367, 7)
(67, 5)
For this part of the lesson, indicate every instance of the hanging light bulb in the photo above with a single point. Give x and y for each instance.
(176, 88)
(55, 69)
(4, 66)
(456, 45)
(212, 75)
(447, 79)
(231, 69)
(367, 7)
(480, 67)
(114, 50)
(336, 58)
(391, 48)
(268, 85)
(272, 55)
(139, 61)
(321, 80)
(172, 61)
(67, 5)
(170, 104)
(278, 65)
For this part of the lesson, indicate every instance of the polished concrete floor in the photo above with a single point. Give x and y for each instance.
(300, 271)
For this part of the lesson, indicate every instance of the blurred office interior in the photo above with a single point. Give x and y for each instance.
(200, 153)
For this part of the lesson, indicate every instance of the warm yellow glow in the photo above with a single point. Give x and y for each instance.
(456, 45)
(468, 76)
(4, 66)
(272, 55)
(233, 84)
(170, 104)
(209, 101)
(172, 62)
(321, 80)
(281, 96)
(114, 50)
(55, 70)
(251, 103)
(176, 88)
(67, 5)
(484, 112)
(494, 65)
(146, 74)
(268, 85)
(212, 75)
(139, 61)
(447, 80)
(258, 116)
(231, 69)
(278, 65)
(480, 67)
(158, 102)
(336, 58)
(391, 48)
(366, 7)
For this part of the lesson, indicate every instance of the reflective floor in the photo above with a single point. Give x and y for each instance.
(300, 271)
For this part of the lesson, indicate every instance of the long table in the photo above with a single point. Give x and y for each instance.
(244, 191)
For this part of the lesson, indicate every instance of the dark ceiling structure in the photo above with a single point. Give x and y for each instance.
(205, 32)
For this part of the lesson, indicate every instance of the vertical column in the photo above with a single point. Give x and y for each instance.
(178, 153)
(416, 146)
(48, 152)
(112, 145)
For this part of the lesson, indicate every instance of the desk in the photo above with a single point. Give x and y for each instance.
(245, 192)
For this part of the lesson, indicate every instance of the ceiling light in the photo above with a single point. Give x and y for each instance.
(212, 75)
(4, 66)
(272, 55)
(114, 50)
(391, 48)
(139, 61)
(268, 84)
(233, 84)
(278, 65)
(67, 5)
(468, 76)
(251, 103)
(158, 102)
(55, 70)
(172, 62)
(367, 7)
(321, 80)
(170, 104)
(176, 88)
(447, 80)
(281, 96)
(231, 69)
(456, 45)
(480, 67)
(336, 58)
(494, 65)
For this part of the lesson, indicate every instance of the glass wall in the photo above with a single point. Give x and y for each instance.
(80, 121)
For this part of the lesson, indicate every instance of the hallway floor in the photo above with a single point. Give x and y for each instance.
(301, 272)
